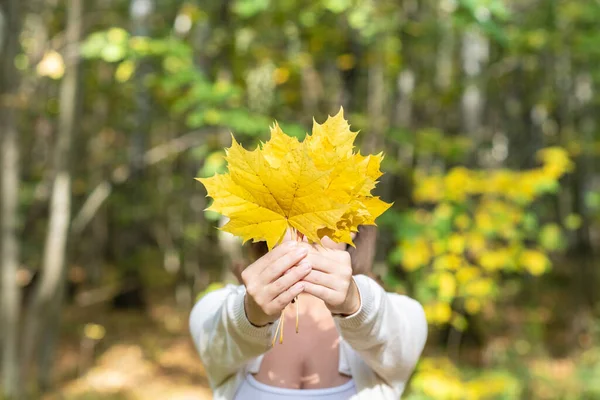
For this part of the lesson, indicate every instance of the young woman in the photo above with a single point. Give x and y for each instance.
(355, 341)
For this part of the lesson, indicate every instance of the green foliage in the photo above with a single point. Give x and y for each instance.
(187, 91)
(487, 15)
(250, 8)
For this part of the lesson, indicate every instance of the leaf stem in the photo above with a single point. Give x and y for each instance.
(297, 236)
(282, 319)
(297, 312)
(276, 332)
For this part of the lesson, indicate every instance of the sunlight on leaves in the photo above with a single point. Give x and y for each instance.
(474, 226)
(52, 65)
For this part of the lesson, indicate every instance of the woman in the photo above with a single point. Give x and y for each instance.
(355, 341)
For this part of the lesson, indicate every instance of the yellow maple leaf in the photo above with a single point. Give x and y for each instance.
(318, 187)
(262, 202)
(331, 140)
(278, 146)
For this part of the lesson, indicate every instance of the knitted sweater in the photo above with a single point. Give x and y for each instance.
(380, 344)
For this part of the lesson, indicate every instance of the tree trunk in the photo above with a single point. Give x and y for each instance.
(140, 12)
(445, 50)
(10, 21)
(376, 97)
(475, 52)
(45, 308)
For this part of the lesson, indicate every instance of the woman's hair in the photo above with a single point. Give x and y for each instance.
(362, 255)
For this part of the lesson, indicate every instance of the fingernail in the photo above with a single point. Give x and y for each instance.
(290, 243)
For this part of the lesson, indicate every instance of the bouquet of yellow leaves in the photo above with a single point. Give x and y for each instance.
(316, 187)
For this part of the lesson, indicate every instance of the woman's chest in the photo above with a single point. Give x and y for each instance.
(307, 360)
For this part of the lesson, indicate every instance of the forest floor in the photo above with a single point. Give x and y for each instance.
(548, 340)
(141, 355)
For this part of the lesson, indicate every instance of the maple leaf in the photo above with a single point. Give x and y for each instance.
(318, 187)
(262, 202)
(331, 141)
(278, 146)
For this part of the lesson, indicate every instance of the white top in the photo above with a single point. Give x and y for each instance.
(251, 389)
(379, 348)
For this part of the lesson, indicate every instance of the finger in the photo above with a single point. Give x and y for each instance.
(285, 298)
(322, 279)
(333, 254)
(259, 265)
(288, 280)
(321, 263)
(285, 262)
(326, 294)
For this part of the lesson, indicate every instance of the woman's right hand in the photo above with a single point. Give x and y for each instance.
(273, 281)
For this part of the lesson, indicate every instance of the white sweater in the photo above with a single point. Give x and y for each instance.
(381, 343)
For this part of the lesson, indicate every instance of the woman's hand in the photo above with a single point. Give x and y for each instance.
(331, 280)
(269, 289)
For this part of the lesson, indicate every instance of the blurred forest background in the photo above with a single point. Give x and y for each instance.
(487, 112)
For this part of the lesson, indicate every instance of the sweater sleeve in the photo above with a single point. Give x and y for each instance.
(388, 331)
(223, 336)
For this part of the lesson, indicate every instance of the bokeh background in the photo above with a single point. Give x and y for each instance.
(487, 112)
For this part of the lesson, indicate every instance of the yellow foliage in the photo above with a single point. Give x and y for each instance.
(484, 221)
(438, 312)
(489, 387)
(94, 331)
(415, 254)
(125, 71)
(476, 242)
(472, 306)
(438, 378)
(501, 181)
(310, 186)
(440, 247)
(476, 224)
(443, 211)
(281, 75)
(429, 190)
(456, 243)
(450, 262)
(458, 184)
(479, 288)
(556, 161)
(534, 261)
(446, 286)
(467, 274)
(462, 222)
(494, 260)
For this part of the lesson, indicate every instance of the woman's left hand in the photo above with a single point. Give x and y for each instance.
(331, 280)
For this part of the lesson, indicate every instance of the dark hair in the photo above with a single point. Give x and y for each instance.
(362, 255)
